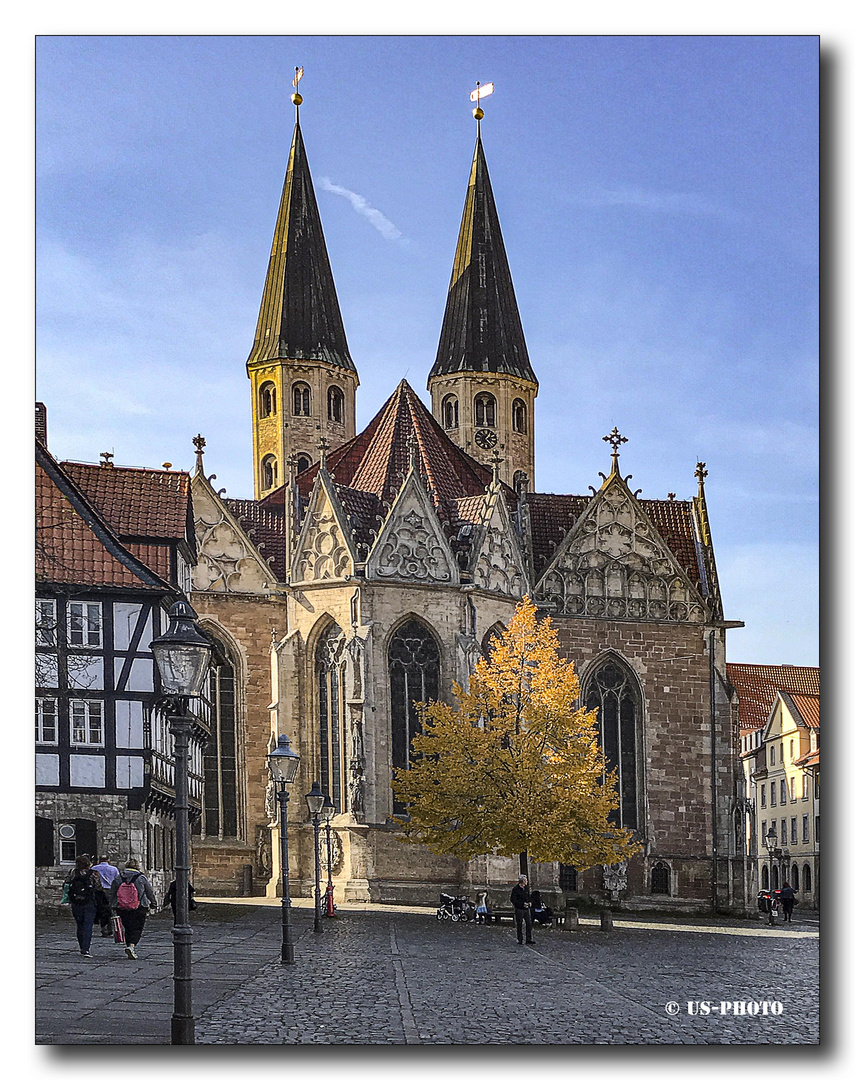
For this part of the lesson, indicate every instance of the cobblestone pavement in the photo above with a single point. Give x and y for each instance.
(375, 977)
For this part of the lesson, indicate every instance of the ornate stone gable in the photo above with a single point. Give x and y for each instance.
(614, 564)
(228, 561)
(497, 562)
(323, 549)
(411, 545)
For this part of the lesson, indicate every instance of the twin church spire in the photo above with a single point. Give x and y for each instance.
(303, 376)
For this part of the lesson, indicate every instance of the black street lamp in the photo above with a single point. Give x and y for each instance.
(182, 656)
(283, 764)
(771, 842)
(315, 803)
(328, 813)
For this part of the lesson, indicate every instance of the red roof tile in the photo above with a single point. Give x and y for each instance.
(758, 684)
(809, 759)
(265, 526)
(808, 706)
(73, 544)
(150, 503)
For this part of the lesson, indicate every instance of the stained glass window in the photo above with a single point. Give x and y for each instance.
(413, 676)
(614, 692)
(329, 667)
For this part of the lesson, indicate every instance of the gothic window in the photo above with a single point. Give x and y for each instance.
(450, 412)
(485, 410)
(303, 462)
(413, 676)
(660, 879)
(219, 818)
(302, 397)
(520, 420)
(267, 400)
(329, 671)
(335, 404)
(764, 877)
(794, 876)
(269, 472)
(568, 878)
(614, 692)
(806, 882)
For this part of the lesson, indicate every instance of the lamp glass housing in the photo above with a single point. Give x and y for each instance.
(181, 653)
(283, 762)
(328, 809)
(315, 799)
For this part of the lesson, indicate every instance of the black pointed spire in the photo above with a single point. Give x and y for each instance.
(481, 329)
(299, 318)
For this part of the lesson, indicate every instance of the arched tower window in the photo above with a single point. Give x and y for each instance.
(269, 472)
(329, 672)
(660, 879)
(485, 410)
(219, 820)
(302, 399)
(520, 418)
(413, 676)
(450, 412)
(614, 691)
(335, 404)
(267, 400)
(303, 462)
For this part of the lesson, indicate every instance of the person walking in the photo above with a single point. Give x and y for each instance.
(788, 901)
(82, 886)
(521, 901)
(132, 897)
(108, 874)
(171, 893)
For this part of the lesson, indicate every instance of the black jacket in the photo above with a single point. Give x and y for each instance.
(520, 896)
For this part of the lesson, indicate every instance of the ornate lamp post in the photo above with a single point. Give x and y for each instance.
(182, 656)
(315, 803)
(771, 842)
(327, 814)
(283, 764)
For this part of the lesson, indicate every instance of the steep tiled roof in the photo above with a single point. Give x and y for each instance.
(143, 503)
(265, 526)
(74, 545)
(808, 708)
(758, 684)
(299, 318)
(481, 328)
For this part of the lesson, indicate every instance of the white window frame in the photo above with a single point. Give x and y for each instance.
(83, 611)
(72, 839)
(86, 715)
(46, 623)
(40, 721)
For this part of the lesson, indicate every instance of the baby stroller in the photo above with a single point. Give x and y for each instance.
(456, 908)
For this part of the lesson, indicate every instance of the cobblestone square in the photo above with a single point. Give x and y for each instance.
(400, 977)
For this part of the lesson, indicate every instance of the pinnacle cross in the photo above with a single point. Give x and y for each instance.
(701, 472)
(297, 97)
(106, 460)
(323, 446)
(496, 460)
(616, 439)
(200, 445)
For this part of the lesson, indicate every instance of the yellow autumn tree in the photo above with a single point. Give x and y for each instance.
(514, 766)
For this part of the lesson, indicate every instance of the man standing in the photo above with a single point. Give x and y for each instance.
(788, 900)
(521, 901)
(108, 874)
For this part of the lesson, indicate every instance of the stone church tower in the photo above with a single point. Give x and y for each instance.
(482, 384)
(303, 378)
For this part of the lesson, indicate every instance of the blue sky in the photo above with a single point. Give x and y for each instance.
(658, 199)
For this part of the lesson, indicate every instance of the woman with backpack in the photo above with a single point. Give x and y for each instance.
(83, 884)
(132, 898)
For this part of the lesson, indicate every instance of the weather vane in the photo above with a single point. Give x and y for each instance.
(476, 95)
(297, 97)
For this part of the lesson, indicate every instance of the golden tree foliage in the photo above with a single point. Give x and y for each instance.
(514, 766)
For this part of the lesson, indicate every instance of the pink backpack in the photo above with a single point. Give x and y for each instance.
(127, 897)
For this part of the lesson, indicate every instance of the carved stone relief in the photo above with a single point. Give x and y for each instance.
(323, 551)
(498, 566)
(617, 567)
(411, 545)
(226, 562)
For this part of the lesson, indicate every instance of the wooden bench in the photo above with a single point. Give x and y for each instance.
(507, 913)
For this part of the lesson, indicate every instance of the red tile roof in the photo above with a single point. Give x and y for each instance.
(142, 503)
(758, 684)
(808, 706)
(74, 545)
(265, 526)
(809, 759)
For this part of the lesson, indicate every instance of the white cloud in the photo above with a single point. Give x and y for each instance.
(361, 205)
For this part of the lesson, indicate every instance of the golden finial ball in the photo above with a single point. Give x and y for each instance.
(297, 99)
(478, 113)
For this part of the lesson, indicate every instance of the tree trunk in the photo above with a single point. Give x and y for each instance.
(524, 863)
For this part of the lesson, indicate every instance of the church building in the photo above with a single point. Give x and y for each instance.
(371, 569)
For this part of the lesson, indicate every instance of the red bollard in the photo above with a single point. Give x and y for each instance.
(329, 903)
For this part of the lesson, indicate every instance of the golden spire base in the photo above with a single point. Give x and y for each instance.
(297, 99)
(478, 113)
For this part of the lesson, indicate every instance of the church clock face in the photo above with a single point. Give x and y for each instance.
(486, 439)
